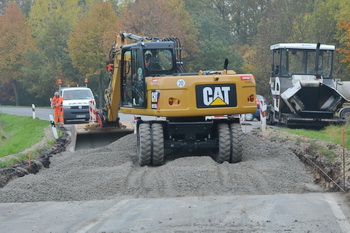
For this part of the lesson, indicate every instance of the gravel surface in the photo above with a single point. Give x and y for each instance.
(112, 172)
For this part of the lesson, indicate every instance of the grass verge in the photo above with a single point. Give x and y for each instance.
(331, 133)
(18, 133)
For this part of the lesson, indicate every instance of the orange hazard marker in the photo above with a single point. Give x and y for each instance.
(29, 161)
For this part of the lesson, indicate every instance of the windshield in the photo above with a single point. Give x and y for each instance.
(158, 59)
(77, 94)
(296, 61)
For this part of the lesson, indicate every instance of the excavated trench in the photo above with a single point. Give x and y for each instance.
(325, 159)
(271, 164)
(33, 166)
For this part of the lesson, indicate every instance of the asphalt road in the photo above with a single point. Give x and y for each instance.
(41, 113)
(314, 212)
(286, 212)
(44, 113)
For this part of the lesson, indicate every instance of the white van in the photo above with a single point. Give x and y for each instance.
(76, 103)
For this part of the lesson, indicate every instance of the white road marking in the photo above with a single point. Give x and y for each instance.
(102, 217)
(338, 213)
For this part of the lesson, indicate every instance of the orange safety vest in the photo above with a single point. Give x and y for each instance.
(57, 102)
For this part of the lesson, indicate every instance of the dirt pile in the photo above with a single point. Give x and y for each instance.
(111, 172)
(325, 158)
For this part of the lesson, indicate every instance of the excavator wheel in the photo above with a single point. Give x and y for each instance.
(224, 144)
(236, 143)
(157, 144)
(144, 144)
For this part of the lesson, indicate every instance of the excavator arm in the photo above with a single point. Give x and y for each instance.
(112, 93)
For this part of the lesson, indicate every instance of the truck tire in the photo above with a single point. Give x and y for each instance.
(270, 118)
(157, 144)
(345, 114)
(224, 144)
(144, 144)
(236, 143)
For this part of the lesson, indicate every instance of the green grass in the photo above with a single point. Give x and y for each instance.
(331, 134)
(18, 133)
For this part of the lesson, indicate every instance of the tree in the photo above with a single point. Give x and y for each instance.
(3, 6)
(346, 40)
(90, 42)
(43, 12)
(15, 41)
(162, 18)
(343, 37)
(24, 5)
(215, 39)
(51, 21)
(277, 26)
(240, 17)
(317, 23)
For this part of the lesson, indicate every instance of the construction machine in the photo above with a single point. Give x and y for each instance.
(303, 90)
(148, 79)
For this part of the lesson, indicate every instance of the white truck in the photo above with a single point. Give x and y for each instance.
(76, 103)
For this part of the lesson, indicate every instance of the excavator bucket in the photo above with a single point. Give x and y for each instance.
(90, 136)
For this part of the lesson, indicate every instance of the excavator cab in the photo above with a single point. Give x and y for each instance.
(140, 60)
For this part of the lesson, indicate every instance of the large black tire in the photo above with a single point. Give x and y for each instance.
(144, 149)
(236, 143)
(345, 114)
(223, 153)
(157, 144)
(270, 118)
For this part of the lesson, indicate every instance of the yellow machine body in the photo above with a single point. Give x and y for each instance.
(166, 99)
(148, 78)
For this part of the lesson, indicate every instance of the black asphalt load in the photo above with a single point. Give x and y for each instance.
(33, 166)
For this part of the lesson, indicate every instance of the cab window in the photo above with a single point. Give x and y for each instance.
(133, 82)
(158, 60)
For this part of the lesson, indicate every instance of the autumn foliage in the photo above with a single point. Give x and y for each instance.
(161, 18)
(91, 39)
(44, 39)
(15, 40)
(346, 38)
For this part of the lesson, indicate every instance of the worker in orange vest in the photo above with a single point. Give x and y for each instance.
(57, 104)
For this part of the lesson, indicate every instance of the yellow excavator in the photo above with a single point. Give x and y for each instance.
(148, 78)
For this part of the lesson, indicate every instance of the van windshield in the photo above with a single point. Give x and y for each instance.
(77, 94)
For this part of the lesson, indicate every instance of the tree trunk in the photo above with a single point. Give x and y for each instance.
(14, 85)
